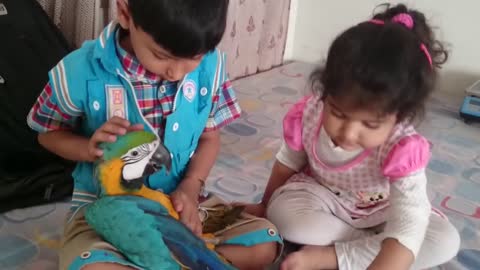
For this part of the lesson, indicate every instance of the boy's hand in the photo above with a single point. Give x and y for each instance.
(108, 132)
(185, 201)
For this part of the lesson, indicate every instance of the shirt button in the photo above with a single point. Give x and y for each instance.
(203, 91)
(272, 232)
(85, 255)
(175, 127)
(96, 105)
(163, 89)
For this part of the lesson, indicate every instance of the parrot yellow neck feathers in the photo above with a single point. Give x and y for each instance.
(110, 175)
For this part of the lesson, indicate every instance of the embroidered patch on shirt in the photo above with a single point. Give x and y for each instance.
(116, 101)
(189, 90)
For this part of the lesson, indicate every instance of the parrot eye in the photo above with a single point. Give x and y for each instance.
(134, 153)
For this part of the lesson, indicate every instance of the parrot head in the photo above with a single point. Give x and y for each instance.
(136, 154)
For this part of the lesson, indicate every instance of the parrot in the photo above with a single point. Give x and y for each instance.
(141, 222)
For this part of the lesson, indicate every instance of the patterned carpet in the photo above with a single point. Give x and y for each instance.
(29, 238)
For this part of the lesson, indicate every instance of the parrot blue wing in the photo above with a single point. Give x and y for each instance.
(188, 248)
(121, 222)
(147, 235)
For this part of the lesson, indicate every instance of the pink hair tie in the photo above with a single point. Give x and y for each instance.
(377, 21)
(405, 19)
(427, 54)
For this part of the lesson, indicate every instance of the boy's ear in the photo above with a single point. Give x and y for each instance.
(123, 14)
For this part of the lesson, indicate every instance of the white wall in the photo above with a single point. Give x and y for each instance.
(315, 23)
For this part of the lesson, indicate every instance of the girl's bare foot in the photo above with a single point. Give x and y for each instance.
(311, 258)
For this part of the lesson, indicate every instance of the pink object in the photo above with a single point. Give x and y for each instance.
(427, 54)
(475, 213)
(409, 155)
(405, 19)
(292, 125)
(376, 21)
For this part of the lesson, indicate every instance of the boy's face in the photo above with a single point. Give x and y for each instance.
(157, 60)
(151, 55)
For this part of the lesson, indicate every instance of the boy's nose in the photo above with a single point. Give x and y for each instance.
(174, 73)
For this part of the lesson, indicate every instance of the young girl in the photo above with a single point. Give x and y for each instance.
(349, 182)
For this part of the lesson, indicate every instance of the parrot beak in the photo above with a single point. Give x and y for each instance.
(161, 158)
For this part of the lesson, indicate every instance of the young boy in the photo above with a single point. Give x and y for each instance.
(157, 69)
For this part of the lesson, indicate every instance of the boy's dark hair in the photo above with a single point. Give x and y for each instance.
(381, 66)
(185, 28)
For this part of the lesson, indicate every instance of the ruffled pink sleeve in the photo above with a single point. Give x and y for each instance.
(292, 125)
(408, 156)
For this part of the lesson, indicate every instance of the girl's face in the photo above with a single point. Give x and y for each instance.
(354, 129)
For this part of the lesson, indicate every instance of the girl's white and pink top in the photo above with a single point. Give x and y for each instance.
(370, 186)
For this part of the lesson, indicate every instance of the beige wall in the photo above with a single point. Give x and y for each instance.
(315, 23)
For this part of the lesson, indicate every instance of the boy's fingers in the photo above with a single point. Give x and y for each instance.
(97, 152)
(119, 121)
(103, 136)
(114, 128)
(198, 228)
(135, 127)
(177, 204)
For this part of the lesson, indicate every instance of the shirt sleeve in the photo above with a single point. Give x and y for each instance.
(46, 114)
(225, 109)
(409, 211)
(294, 160)
(411, 154)
(293, 126)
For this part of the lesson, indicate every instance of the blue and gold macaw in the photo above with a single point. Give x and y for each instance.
(140, 222)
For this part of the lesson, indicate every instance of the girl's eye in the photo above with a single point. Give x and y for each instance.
(337, 114)
(371, 125)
